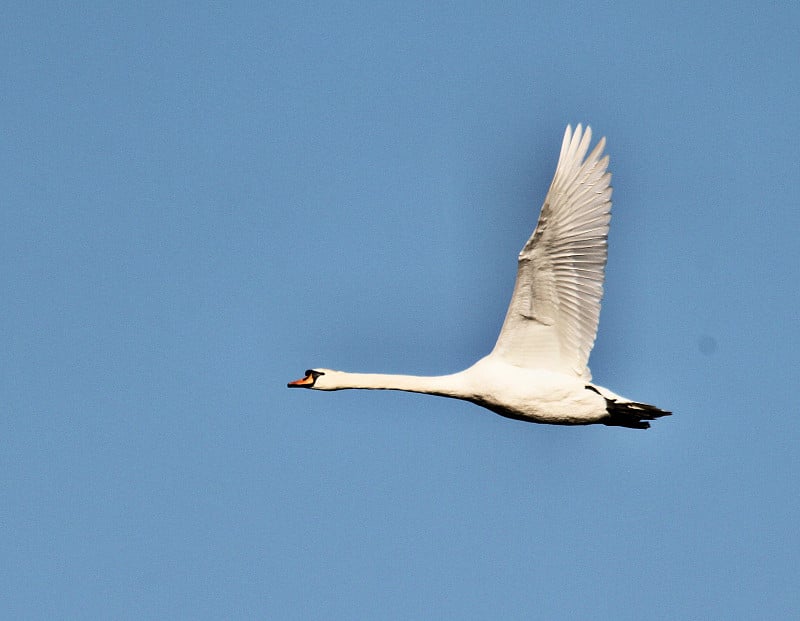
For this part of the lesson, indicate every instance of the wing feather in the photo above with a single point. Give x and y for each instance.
(552, 319)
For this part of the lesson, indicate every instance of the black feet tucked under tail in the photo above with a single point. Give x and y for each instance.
(631, 414)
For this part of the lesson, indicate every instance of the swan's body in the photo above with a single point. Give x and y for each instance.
(538, 369)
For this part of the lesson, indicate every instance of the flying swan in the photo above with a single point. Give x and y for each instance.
(538, 369)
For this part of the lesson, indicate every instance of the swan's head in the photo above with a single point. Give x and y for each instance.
(318, 379)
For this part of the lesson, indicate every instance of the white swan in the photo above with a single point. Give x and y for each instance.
(538, 370)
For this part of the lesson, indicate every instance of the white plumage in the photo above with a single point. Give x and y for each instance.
(552, 320)
(538, 369)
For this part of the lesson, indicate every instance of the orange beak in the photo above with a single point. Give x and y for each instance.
(306, 381)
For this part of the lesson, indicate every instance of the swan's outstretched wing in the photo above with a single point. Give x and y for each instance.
(552, 320)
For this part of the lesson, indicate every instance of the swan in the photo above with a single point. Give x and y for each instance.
(537, 371)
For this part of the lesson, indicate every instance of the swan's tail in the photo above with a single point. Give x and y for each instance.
(631, 414)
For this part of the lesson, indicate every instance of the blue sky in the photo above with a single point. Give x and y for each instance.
(202, 200)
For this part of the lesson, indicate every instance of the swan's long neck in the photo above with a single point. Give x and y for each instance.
(441, 385)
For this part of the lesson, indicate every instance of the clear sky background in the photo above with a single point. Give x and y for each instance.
(202, 200)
